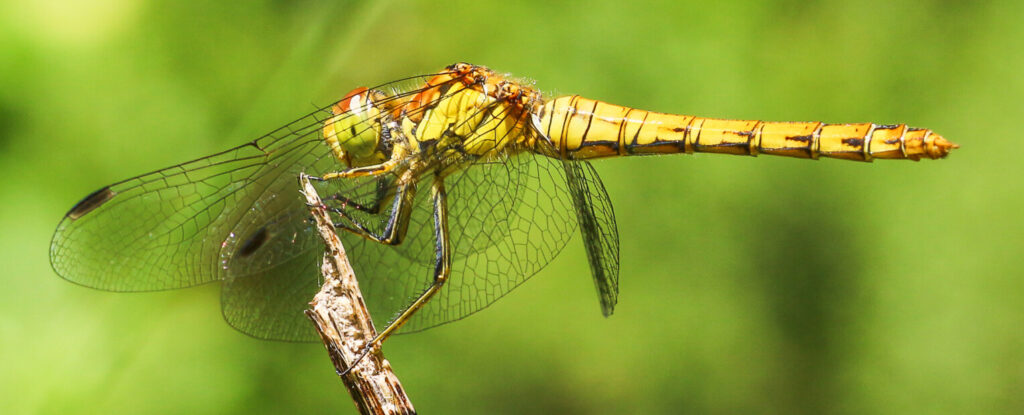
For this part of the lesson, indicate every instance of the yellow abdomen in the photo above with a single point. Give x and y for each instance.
(583, 128)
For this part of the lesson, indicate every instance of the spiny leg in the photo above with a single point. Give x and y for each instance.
(377, 170)
(375, 205)
(442, 269)
(372, 170)
(442, 255)
(398, 220)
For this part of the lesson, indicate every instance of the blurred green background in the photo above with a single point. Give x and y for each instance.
(765, 285)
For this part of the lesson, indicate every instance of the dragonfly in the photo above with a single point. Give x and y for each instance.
(451, 189)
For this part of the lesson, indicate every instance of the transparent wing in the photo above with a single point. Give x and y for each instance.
(233, 216)
(597, 226)
(507, 219)
(273, 255)
(237, 217)
(165, 229)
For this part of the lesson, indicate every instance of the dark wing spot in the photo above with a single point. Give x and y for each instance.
(93, 201)
(254, 243)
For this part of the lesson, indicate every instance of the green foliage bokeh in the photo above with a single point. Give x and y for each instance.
(765, 285)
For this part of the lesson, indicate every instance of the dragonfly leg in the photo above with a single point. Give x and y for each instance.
(372, 208)
(442, 268)
(442, 264)
(373, 170)
(398, 220)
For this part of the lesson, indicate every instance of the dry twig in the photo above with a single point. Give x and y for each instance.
(341, 318)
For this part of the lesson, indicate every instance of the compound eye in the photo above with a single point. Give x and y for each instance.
(354, 100)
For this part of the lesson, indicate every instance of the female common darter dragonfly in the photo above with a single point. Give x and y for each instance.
(453, 188)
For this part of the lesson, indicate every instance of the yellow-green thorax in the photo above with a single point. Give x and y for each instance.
(469, 111)
(484, 125)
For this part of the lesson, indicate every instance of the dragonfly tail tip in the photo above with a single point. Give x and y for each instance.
(940, 147)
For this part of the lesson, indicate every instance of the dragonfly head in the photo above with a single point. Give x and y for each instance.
(353, 132)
